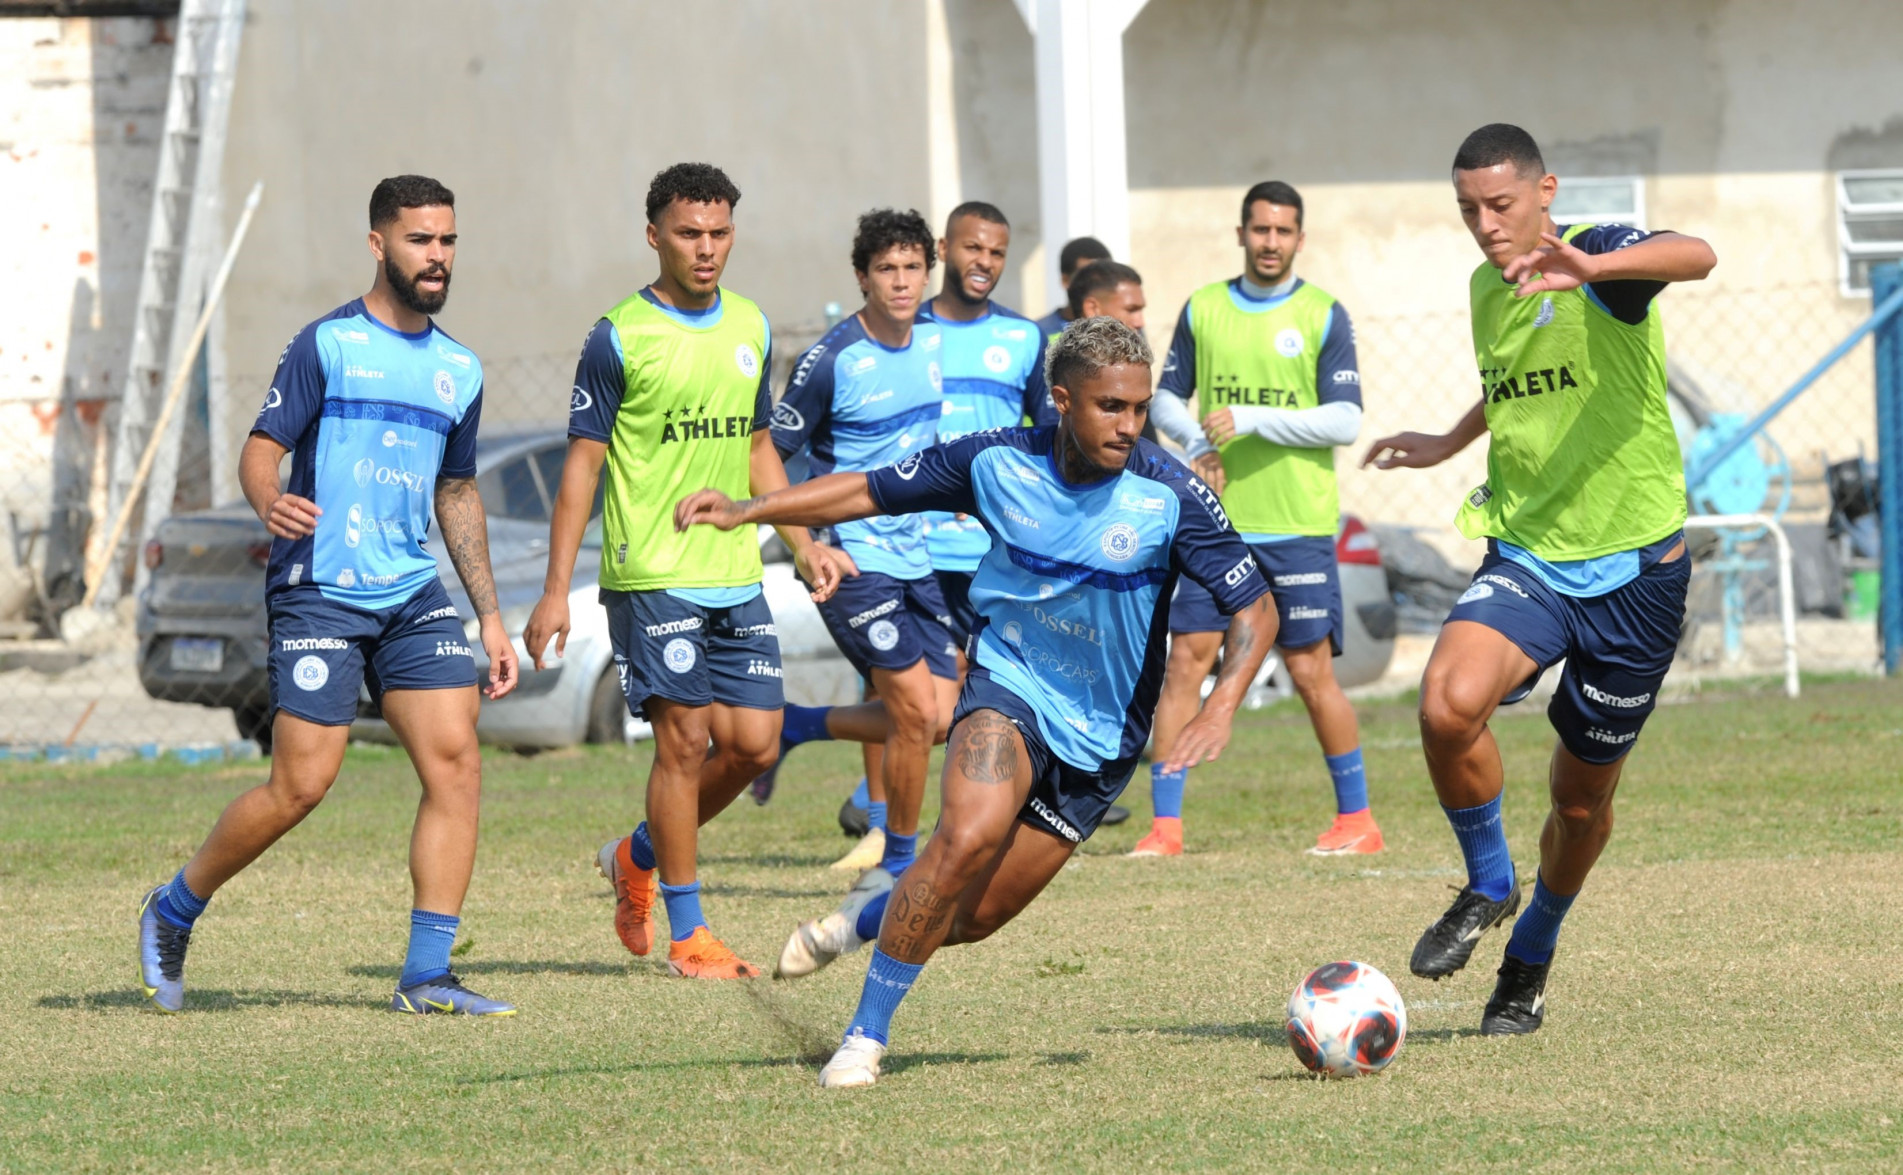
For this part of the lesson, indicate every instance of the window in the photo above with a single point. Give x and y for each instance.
(1600, 200)
(513, 490)
(1869, 225)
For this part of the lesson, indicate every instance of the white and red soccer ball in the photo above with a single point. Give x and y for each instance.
(1346, 1019)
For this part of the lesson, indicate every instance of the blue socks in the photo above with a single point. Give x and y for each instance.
(1536, 931)
(431, 936)
(803, 724)
(899, 852)
(683, 909)
(1483, 842)
(179, 905)
(1351, 782)
(887, 981)
(875, 813)
(862, 795)
(1166, 792)
(641, 847)
(867, 927)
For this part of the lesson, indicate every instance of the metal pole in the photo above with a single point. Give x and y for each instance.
(1886, 285)
(1786, 591)
(1887, 305)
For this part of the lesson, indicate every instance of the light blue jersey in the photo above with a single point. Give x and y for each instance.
(373, 417)
(987, 364)
(1073, 597)
(862, 405)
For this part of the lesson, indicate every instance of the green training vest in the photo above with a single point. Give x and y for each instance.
(1583, 460)
(686, 423)
(1266, 359)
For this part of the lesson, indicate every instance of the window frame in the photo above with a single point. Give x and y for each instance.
(1849, 251)
(1637, 219)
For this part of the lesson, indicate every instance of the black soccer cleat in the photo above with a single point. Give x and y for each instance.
(854, 821)
(1446, 946)
(1518, 1005)
(1114, 814)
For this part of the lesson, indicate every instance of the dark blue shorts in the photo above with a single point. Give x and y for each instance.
(323, 652)
(1066, 801)
(955, 587)
(1303, 578)
(666, 647)
(883, 622)
(1617, 647)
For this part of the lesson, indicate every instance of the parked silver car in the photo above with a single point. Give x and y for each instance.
(201, 619)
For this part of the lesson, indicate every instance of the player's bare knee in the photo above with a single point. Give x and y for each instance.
(973, 927)
(300, 792)
(1451, 716)
(964, 854)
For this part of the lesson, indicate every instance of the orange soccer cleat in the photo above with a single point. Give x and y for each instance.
(635, 890)
(702, 956)
(1165, 839)
(1353, 833)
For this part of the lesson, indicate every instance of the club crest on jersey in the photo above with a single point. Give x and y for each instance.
(445, 387)
(997, 359)
(748, 362)
(884, 635)
(932, 373)
(678, 654)
(1289, 342)
(310, 673)
(1120, 542)
(1546, 313)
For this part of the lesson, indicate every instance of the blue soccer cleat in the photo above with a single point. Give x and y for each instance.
(161, 956)
(446, 994)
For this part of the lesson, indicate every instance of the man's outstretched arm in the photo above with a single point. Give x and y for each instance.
(1422, 450)
(1251, 635)
(822, 501)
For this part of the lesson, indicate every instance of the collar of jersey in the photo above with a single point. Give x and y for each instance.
(364, 312)
(1239, 291)
(691, 319)
(865, 334)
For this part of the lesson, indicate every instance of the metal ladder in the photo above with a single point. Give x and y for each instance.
(181, 251)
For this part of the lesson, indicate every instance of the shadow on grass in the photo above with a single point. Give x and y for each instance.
(729, 889)
(897, 1064)
(205, 999)
(1276, 1031)
(502, 967)
(1081, 1057)
(768, 860)
(1442, 1035)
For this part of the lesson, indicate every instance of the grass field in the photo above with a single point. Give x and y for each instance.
(1726, 994)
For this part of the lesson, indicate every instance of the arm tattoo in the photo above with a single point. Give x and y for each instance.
(465, 528)
(1240, 642)
(988, 748)
(917, 914)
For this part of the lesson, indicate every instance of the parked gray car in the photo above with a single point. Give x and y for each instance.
(201, 619)
(202, 639)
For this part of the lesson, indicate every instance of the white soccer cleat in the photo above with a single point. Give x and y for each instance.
(868, 852)
(819, 941)
(856, 1063)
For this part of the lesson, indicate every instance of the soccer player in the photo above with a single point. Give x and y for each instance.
(1101, 289)
(1093, 526)
(378, 409)
(868, 394)
(1583, 510)
(1077, 253)
(673, 390)
(1271, 358)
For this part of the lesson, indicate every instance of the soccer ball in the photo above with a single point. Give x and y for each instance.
(1346, 1019)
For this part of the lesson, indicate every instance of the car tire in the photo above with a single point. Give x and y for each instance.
(254, 723)
(607, 710)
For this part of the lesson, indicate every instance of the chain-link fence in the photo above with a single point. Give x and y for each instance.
(180, 661)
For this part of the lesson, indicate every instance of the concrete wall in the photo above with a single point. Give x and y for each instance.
(548, 120)
(1737, 112)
